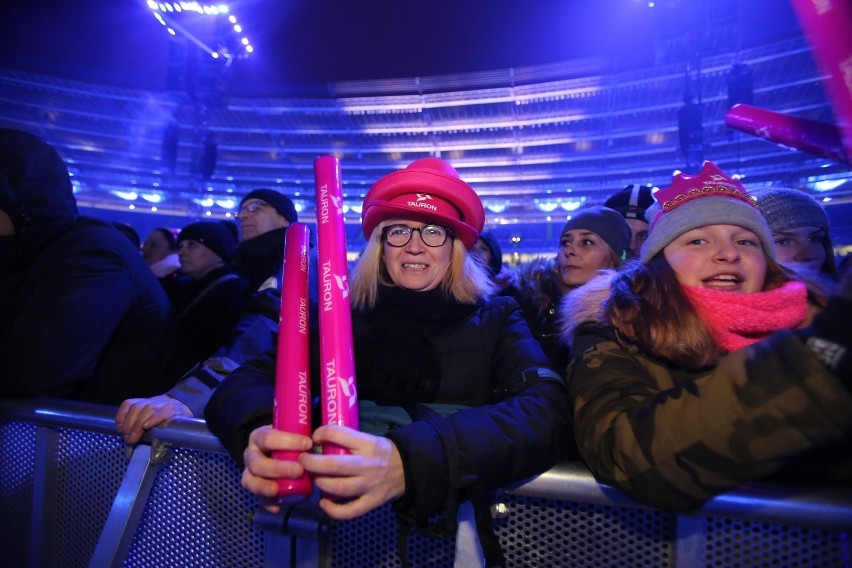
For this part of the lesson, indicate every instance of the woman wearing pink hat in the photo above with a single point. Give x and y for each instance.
(688, 377)
(435, 352)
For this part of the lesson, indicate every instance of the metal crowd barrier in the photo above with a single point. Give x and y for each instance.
(73, 494)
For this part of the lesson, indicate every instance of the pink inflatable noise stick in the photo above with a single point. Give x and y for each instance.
(827, 25)
(292, 409)
(818, 138)
(337, 359)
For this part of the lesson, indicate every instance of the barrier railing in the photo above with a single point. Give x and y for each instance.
(73, 494)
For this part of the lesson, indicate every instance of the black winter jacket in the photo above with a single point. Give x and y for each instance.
(81, 315)
(520, 425)
(207, 310)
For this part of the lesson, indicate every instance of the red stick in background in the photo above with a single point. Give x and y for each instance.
(292, 409)
(337, 359)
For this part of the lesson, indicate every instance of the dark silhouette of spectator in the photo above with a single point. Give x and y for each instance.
(489, 252)
(128, 231)
(209, 294)
(232, 228)
(81, 315)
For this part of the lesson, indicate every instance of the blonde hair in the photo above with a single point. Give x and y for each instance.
(647, 306)
(466, 280)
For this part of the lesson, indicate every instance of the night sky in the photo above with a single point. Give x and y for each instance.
(314, 41)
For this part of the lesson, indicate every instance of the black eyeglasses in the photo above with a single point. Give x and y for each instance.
(252, 206)
(399, 235)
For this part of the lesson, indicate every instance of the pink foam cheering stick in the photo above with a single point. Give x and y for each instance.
(814, 137)
(827, 25)
(337, 359)
(292, 409)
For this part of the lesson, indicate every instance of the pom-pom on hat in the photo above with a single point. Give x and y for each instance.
(710, 197)
(632, 201)
(279, 202)
(607, 223)
(212, 235)
(428, 190)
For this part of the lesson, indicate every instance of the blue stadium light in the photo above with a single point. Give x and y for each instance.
(205, 202)
(175, 17)
(125, 195)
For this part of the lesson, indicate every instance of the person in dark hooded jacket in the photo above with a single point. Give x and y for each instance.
(81, 315)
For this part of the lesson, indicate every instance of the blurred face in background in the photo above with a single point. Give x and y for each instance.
(638, 236)
(257, 217)
(802, 247)
(196, 260)
(581, 254)
(483, 251)
(155, 247)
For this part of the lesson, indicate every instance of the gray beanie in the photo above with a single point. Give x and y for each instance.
(707, 198)
(607, 223)
(786, 209)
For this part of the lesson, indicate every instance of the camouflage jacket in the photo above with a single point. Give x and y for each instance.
(674, 437)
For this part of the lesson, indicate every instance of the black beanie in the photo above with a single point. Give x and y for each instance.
(212, 235)
(607, 224)
(632, 201)
(279, 202)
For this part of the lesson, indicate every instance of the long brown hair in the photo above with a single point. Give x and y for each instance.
(647, 306)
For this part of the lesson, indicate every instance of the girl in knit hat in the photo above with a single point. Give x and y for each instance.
(594, 239)
(688, 378)
(800, 229)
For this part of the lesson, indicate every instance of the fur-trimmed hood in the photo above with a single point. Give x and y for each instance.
(584, 304)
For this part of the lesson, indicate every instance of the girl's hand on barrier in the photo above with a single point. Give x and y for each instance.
(135, 415)
(371, 475)
(262, 470)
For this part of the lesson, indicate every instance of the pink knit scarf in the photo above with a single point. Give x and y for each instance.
(737, 320)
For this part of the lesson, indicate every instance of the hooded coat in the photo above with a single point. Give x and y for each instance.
(673, 437)
(81, 314)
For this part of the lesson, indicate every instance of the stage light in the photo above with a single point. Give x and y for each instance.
(152, 197)
(176, 18)
(126, 195)
(204, 202)
(572, 204)
(828, 184)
